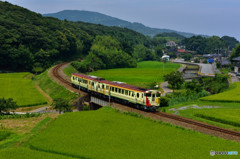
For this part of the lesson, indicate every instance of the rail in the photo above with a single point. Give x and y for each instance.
(162, 114)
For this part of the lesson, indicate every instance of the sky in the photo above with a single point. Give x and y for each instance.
(208, 17)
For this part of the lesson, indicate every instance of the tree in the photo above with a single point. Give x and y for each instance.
(236, 51)
(7, 104)
(175, 79)
(194, 85)
(187, 57)
(62, 105)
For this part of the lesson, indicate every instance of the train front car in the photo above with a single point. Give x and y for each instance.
(152, 100)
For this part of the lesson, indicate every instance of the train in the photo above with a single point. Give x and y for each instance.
(140, 98)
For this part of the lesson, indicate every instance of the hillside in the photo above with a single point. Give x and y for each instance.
(98, 18)
(30, 41)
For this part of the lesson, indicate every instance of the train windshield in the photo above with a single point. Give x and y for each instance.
(158, 95)
(147, 94)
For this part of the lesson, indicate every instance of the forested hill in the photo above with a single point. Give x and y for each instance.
(30, 41)
(98, 18)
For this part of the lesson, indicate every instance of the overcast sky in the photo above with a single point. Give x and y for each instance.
(211, 17)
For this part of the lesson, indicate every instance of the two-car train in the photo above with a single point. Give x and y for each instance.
(140, 98)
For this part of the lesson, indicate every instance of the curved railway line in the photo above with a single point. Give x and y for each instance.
(162, 114)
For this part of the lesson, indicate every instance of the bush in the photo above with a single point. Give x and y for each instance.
(164, 101)
(186, 97)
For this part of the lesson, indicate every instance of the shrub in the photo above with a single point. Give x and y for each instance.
(164, 101)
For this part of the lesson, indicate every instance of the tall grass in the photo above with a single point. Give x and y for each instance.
(186, 97)
(52, 88)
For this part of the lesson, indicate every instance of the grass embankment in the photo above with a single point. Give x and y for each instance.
(69, 70)
(146, 73)
(232, 95)
(53, 89)
(106, 133)
(20, 87)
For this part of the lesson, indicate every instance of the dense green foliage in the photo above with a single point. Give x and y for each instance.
(31, 42)
(187, 96)
(204, 45)
(62, 105)
(236, 51)
(144, 75)
(123, 136)
(164, 101)
(98, 18)
(20, 87)
(106, 53)
(167, 36)
(175, 79)
(228, 96)
(217, 84)
(52, 88)
(7, 105)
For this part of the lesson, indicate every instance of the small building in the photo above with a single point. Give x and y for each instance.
(171, 44)
(165, 57)
(225, 62)
(237, 66)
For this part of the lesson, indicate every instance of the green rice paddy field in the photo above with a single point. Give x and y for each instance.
(145, 73)
(106, 133)
(222, 114)
(20, 87)
(232, 95)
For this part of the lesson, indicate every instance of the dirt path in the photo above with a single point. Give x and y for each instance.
(165, 89)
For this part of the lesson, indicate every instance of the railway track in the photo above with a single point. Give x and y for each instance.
(162, 114)
(57, 75)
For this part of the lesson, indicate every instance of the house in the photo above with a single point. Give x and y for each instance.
(171, 44)
(237, 66)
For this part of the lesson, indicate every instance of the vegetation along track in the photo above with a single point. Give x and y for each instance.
(184, 120)
(200, 124)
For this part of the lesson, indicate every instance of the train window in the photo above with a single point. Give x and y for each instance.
(132, 94)
(79, 79)
(142, 95)
(92, 83)
(119, 90)
(147, 94)
(129, 93)
(122, 91)
(116, 89)
(89, 82)
(103, 86)
(126, 92)
(107, 87)
(158, 95)
(153, 97)
(137, 95)
(113, 89)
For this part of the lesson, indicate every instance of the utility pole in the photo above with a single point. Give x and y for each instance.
(109, 95)
(79, 86)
